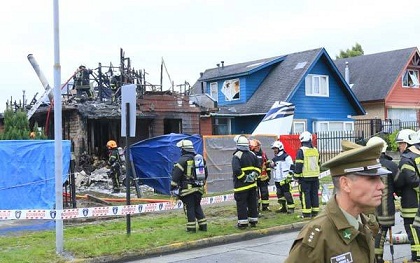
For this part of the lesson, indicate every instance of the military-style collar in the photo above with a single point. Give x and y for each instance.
(346, 231)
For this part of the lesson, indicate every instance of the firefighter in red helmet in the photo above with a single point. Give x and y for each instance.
(264, 178)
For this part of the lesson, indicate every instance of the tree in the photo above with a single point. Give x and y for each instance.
(355, 51)
(16, 127)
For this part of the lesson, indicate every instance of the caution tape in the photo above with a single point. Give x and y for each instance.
(122, 210)
(89, 212)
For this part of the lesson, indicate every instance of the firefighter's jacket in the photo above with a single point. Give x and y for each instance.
(307, 164)
(407, 184)
(386, 210)
(331, 238)
(283, 164)
(183, 175)
(114, 159)
(265, 175)
(244, 164)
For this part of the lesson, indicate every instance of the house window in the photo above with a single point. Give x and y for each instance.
(411, 78)
(299, 127)
(221, 126)
(316, 85)
(231, 89)
(213, 91)
(323, 126)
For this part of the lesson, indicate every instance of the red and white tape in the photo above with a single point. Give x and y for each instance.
(103, 211)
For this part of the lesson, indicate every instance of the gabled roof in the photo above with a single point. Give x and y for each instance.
(374, 75)
(281, 83)
(237, 70)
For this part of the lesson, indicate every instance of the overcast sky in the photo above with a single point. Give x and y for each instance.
(191, 35)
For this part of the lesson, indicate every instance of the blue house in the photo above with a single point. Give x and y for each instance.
(243, 93)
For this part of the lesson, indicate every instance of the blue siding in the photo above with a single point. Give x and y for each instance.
(334, 107)
(248, 85)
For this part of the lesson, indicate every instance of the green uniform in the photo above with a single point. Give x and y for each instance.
(329, 237)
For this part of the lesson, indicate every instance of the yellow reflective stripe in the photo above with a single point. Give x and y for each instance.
(408, 167)
(241, 175)
(190, 164)
(251, 168)
(379, 251)
(245, 187)
(299, 161)
(408, 212)
(415, 237)
(179, 166)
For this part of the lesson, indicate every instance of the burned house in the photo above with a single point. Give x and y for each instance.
(91, 109)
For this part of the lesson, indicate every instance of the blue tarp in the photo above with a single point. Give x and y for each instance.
(154, 158)
(27, 173)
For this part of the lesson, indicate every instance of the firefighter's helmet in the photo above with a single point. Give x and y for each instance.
(305, 136)
(111, 144)
(408, 136)
(278, 145)
(375, 140)
(242, 142)
(185, 145)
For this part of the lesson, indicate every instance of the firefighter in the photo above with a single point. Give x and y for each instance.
(115, 165)
(188, 183)
(385, 213)
(245, 171)
(307, 170)
(407, 185)
(282, 165)
(264, 179)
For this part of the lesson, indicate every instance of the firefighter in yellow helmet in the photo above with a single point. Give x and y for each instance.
(189, 176)
(265, 176)
(115, 165)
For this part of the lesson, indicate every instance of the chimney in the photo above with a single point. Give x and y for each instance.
(218, 65)
(347, 73)
(223, 64)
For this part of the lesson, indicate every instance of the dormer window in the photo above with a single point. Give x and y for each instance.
(410, 78)
(317, 85)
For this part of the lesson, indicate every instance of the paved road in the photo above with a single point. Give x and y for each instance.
(268, 249)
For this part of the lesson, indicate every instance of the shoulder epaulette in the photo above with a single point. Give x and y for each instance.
(312, 235)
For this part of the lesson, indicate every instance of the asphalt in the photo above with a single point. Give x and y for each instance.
(197, 244)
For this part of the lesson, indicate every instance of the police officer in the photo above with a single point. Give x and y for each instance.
(189, 186)
(407, 185)
(307, 171)
(342, 233)
(282, 171)
(115, 163)
(245, 171)
(385, 213)
(265, 176)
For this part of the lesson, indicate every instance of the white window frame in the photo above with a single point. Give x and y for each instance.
(413, 75)
(346, 125)
(296, 125)
(317, 85)
(214, 91)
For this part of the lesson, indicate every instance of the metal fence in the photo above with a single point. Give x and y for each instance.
(329, 142)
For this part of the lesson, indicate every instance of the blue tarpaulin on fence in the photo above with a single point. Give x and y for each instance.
(27, 173)
(154, 158)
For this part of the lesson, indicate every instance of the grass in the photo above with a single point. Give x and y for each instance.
(109, 237)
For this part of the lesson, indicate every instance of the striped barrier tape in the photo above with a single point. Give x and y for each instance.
(89, 212)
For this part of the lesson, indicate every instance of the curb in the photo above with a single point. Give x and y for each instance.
(196, 244)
